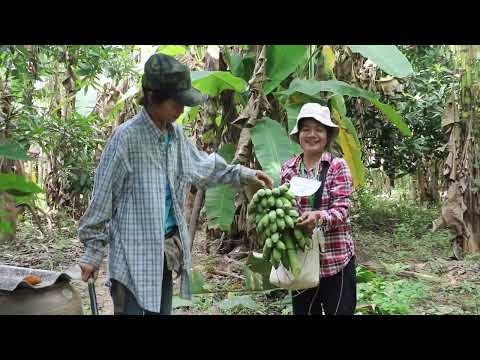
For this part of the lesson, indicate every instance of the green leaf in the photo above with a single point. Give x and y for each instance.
(220, 206)
(243, 66)
(253, 280)
(272, 147)
(172, 50)
(387, 57)
(393, 116)
(18, 185)
(352, 152)
(312, 87)
(292, 113)
(256, 264)
(219, 121)
(5, 227)
(13, 152)
(282, 60)
(339, 104)
(188, 115)
(24, 199)
(197, 283)
(227, 151)
(213, 83)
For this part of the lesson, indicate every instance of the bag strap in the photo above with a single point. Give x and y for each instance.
(319, 193)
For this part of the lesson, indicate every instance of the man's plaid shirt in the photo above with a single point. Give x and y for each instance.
(127, 208)
(335, 206)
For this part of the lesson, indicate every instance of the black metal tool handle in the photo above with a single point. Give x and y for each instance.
(93, 295)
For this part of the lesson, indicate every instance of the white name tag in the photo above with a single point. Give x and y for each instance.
(303, 187)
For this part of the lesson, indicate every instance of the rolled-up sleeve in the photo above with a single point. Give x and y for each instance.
(108, 182)
(213, 169)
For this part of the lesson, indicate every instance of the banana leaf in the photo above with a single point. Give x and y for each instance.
(220, 199)
(387, 57)
(282, 60)
(272, 147)
(313, 87)
(213, 83)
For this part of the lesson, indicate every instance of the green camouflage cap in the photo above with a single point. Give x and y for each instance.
(164, 73)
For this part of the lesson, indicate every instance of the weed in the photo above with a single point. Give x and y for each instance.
(387, 297)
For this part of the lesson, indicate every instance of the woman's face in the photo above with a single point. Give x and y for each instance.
(312, 136)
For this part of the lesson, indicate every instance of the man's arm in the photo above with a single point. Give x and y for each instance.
(108, 182)
(212, 169)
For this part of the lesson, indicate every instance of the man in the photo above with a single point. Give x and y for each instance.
(137, 207)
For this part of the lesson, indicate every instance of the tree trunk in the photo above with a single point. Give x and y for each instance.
(461, 210)
(257, 106)
(197, 206)
(9, 215)
(434, 181)
(211, 64)
(413, 188)
(53, 184)
(421, 184)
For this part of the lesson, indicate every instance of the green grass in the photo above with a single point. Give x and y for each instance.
(395, 231)
(230, 303)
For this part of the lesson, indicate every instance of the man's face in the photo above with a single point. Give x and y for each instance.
(168, 111)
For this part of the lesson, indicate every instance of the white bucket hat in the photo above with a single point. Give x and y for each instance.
(315, 111)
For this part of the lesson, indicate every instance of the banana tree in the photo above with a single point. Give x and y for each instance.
(271, 143)
(461, 209)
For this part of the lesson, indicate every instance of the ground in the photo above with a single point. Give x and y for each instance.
(419, 277)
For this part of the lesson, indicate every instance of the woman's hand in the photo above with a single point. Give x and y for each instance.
(308, 220)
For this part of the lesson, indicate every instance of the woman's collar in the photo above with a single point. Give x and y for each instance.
(295, 162)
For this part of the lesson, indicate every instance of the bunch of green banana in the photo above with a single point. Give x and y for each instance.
(274, 213)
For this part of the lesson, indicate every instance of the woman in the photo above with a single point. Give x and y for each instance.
(336, 294)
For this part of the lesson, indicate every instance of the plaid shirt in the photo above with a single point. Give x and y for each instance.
(127, 208)
(335, 205)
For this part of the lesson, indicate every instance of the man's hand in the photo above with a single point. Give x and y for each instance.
(264, 178)
(88, 270)
(308, 220)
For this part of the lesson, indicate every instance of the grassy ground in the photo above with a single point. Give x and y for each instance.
(395, 232)
(392, 233)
